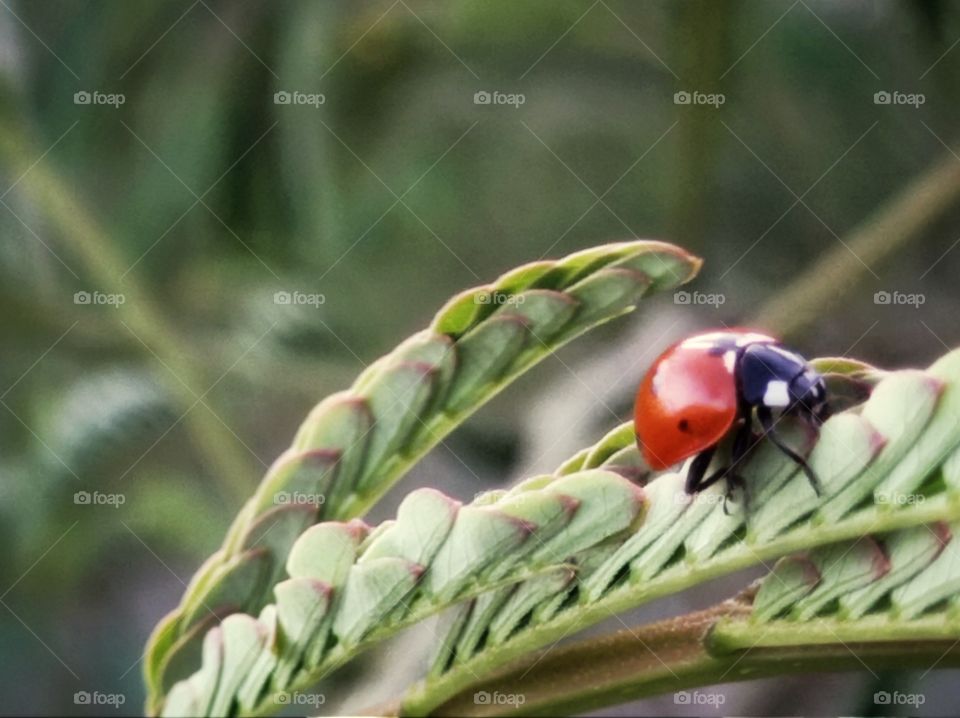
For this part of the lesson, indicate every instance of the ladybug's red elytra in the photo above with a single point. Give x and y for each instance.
(704, 387)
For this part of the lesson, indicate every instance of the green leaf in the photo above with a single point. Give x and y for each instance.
(326, 552)
(908, 553)
(373, 588)
(484, 354)
(265, 662)
(480, 536)
(424, 519)
(232, 586)
(243, 639)
(358, 443)
(563, 551)
(397, 397)
(682, 541)
(842, 569)
(936, 582)
(792, 578)
(899, 409)
(303, 606)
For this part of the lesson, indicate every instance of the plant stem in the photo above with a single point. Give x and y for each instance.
(674, 655)
(427, 696)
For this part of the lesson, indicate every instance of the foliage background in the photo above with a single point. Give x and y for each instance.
(392, 195)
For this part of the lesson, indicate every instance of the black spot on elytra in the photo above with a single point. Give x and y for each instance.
(683, 425)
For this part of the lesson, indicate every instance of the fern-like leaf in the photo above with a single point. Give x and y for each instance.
(885, 601)
(356, 444)
(875, 461)
(561, 551)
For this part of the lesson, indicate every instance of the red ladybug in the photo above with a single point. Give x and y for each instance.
(703, 387)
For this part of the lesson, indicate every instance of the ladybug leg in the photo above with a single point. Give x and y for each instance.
(698, 467)
(742, 443)
(695, 477)
(766, 421)
(734, 481)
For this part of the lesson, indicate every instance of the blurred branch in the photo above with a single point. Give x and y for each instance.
(138, 318)
(841, 270)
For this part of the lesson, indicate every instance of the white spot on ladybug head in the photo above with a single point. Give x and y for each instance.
(776, 394)
(730, 360)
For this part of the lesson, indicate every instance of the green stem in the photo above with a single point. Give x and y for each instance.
(735, 635)
(678, 654)
(428, 695)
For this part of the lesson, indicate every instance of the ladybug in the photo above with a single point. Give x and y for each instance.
(705, 387)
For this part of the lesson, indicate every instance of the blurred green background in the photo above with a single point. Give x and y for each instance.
(183, 196)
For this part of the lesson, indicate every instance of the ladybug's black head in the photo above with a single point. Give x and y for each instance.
(769, 375)
(810, 394)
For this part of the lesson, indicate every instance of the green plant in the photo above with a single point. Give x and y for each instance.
(519, 569)
(356, 444)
